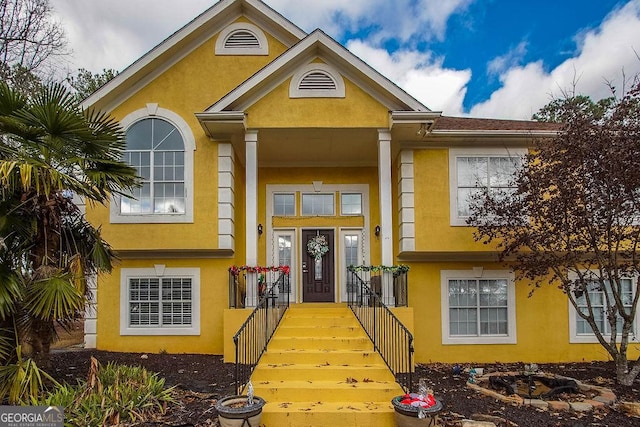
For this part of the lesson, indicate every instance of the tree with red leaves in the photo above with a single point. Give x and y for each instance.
(572, 218)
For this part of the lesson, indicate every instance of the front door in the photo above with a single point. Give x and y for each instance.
(318, 273)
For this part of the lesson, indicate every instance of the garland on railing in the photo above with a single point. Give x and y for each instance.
(236, 270)
(395, 269)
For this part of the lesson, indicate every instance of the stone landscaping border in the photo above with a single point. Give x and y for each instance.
(605, 397)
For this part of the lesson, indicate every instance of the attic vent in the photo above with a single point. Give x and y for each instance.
(316, 80)
(242, 38)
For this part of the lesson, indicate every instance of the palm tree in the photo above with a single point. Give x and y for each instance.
(51, 151)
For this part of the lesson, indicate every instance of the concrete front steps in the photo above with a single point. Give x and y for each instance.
(320, 370)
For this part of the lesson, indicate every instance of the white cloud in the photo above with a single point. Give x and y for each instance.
(510, 59)
(114, 33)
(419, 74)
(384, 19)
(602, 55)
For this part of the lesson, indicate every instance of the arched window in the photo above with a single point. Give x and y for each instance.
(156, 149)
(161, 146)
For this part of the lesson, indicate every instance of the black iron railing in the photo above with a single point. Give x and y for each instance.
(390, 337)
(247, 284)
(253, 336)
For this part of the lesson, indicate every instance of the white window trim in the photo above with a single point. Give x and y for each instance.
(454, 153)
(296, 92)
(343, 262)
(153, 111)
(342, 213)
(161, 272)
(322, 193)
(293, 272)
(220, 48)
(478, 273)
(575, 338)
(295, 203)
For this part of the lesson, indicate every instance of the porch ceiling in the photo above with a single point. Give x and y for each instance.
(313, 147)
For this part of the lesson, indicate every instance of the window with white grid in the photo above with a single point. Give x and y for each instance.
(160, 145)
(156, 149)
(473, 171)
(351, 204)
(160, 301)
(284, 204)
(478, 309)
(581, 331)
(318, 204)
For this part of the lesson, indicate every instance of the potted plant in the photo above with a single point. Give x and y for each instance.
(417, 409)
(240, 411)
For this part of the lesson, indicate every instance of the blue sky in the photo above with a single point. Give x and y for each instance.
(485, 58)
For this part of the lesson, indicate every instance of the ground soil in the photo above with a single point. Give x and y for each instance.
(202, 379)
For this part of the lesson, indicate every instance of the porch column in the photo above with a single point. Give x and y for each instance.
(386, 220)
(251, 220)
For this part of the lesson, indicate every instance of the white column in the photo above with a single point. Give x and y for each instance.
(386, 220)
(251, 220)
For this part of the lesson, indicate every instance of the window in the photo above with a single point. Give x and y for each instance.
(478, 310)
(351, 245)
(160, 301)
(160, 145)
(156, 149)
(472, 171)
(242, 38)
(284, 204)
(581, 331)
(351, 204)
(318, 204)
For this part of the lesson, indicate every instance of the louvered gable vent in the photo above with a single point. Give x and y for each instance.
(242, 39)
(317, 81)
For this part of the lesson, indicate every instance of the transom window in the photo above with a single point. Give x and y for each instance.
(351, 204)
(472, 172)
(318, 204)
(284, 204)
(478, 307)
(156, 149)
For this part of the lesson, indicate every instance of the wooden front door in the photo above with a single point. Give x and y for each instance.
(318, 275)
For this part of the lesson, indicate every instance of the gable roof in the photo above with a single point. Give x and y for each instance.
(185, 40)
(317, 45)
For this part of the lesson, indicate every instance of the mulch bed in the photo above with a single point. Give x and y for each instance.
(201, 380)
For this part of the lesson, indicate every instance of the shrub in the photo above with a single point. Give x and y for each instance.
(112, 394)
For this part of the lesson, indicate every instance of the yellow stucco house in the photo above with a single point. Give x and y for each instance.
(252, 137)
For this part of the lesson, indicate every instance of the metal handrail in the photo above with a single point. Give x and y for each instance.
(391, 339)
(254, 335)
